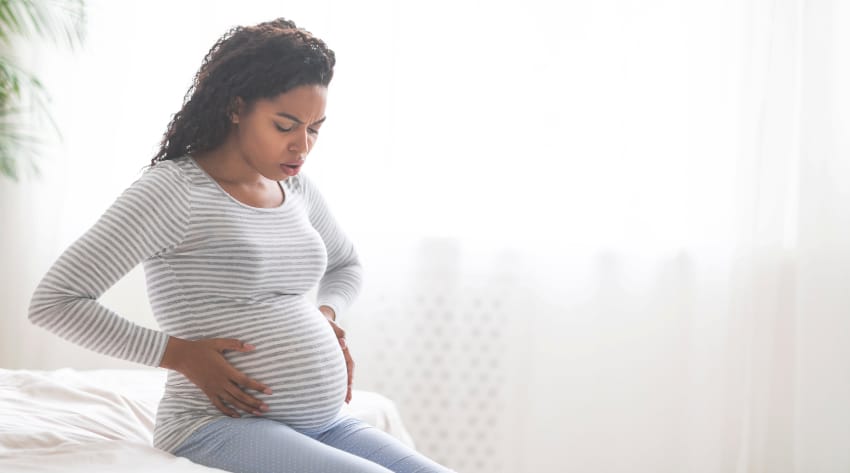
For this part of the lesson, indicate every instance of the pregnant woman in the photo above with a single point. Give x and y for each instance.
(232, 235)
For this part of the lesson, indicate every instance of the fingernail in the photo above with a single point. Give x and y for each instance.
(268, 391)
(249, 346)
(258, 413)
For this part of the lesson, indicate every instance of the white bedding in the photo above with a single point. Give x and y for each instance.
(102, 421)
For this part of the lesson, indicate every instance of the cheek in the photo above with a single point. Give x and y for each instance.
(259, 141)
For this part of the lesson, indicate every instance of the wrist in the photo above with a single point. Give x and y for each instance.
(328, 312)
(172, 356)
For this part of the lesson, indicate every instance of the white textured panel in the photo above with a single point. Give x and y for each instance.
(438, 344)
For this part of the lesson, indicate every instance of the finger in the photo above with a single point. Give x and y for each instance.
(233, 344)
(245, 402)
(220, 405)
(350, 386)
(349, 361)
(231, 400)
(247, 383)
(234, 397)
(339, 331)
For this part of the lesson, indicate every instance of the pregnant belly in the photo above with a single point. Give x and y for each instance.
(297, 355)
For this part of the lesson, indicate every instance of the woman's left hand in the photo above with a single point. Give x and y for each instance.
(340, 335)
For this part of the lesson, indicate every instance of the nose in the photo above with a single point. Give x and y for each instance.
(300, 143)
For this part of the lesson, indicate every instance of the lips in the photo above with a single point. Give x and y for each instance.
(291, 169)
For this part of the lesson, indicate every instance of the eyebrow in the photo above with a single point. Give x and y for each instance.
(296, 120)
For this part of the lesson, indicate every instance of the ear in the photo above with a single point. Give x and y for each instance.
(237, 108)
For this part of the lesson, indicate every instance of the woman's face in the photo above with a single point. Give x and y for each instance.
(277, 134)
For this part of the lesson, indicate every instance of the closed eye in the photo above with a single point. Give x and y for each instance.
(312, 131)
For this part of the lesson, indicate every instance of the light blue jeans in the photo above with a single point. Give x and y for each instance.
(261, 445)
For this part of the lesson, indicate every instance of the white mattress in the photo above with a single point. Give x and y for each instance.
(69, 420)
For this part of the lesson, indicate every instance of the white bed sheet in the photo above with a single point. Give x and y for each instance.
(71, 420)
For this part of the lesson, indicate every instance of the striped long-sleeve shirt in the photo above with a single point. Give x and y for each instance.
(215, 268)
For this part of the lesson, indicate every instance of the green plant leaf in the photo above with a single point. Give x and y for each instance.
(62, 21)
(22, 94)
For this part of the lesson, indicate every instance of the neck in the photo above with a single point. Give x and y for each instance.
(226, 164)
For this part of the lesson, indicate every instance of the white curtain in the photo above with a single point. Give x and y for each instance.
(598, 236)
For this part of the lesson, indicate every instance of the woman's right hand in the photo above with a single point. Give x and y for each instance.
(203, 363)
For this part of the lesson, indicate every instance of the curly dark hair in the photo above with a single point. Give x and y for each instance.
(251, 62)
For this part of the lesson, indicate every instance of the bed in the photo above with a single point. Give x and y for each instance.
(69, 420)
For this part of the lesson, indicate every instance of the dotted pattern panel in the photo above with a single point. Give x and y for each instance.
(437, 345)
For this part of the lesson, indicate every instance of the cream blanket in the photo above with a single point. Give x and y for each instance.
(69, 420)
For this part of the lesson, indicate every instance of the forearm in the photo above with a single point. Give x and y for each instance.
(138, 225)
(340, 287)
(343, 276)
(64, 309)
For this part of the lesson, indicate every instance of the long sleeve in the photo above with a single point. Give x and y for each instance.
(343, 277)
(148, 218)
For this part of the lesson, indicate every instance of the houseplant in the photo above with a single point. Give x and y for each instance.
(22, 95)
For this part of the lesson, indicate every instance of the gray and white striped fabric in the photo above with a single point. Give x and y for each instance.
(215, 267)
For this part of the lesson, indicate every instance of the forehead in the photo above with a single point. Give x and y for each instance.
(305, 101)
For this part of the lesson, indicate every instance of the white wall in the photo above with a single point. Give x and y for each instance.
(598, 236)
